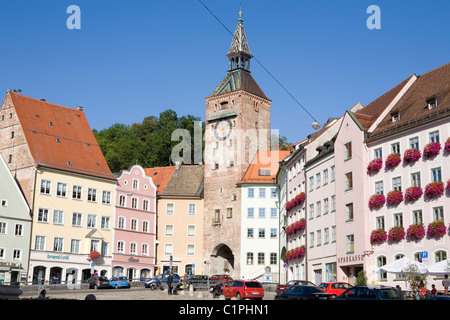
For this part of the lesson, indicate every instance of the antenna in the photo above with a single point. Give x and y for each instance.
(17, 91)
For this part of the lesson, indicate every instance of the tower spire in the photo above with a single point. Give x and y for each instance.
(239, 53)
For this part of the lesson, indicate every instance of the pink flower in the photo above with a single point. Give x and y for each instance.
(411, 155)
(377, 201)
(448, 185)
(392, 160)
(378, 236)
(413, 193)
(436, 229)
(434, 189)
(431, 149)
(416, 231)
(447, 145)
(396, 234)
(375, 165)
(394, 197)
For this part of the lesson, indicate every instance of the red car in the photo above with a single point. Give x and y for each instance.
(335, 288)
(282, 287)
(242, 289)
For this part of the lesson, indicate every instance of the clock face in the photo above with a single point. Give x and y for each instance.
(222, 129)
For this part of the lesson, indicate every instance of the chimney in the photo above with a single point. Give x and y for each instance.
(43, 99)
(80, 108)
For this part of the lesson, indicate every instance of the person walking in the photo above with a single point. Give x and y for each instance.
(446, 284)
(169, 283)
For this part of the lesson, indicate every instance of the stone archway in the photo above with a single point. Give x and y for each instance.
(222, 260)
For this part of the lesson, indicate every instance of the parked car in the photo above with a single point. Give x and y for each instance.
(98, 282)
(371, 293)
(241, 289)
(335, 288)
(224, 278)
(119, 282)
(197, 281)
(302, 292)
(163, 279)
(282, 287)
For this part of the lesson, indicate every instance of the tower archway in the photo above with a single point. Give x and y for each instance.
(222, 260)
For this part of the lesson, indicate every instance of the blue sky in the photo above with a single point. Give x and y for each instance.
(136, 58)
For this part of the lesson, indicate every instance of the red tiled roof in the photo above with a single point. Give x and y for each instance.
(60, 137)
(160, 176)
(413, 108)
(264, 160)
(370, 113)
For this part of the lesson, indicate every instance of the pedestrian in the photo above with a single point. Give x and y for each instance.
(90, 297)
(433, 291)
(446, 284)
(42, 295)
(169, 283)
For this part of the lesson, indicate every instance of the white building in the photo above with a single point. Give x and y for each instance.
(260, 223)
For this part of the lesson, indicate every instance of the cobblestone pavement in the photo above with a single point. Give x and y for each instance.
(129, 294)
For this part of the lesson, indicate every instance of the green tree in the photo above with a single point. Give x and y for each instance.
(148, 143)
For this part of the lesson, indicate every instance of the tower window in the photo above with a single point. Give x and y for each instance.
(224, 105)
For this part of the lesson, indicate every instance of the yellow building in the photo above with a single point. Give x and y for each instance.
(53, 153)
(180, 222)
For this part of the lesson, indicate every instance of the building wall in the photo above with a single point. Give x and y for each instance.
(174, 237)
(295, 185)
(46, 255)
(437, 248)
(15, 229)
(135, 225)
(259, 232)
(321, 221)
(351, 254)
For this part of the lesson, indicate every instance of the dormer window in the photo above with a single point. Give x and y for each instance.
(431, 104)
(395, 117)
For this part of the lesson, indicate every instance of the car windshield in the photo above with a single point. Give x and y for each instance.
(389, 294)
(253, 284)
(103, 278)
(122, 278)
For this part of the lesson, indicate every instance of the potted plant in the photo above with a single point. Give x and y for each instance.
(396, 234)
(394, 197)
(377, 201)
(411, 155)
(378, 236)
(434, 189)
(431, 149)
(416, 231)
(374, 165)
(393, 160)
(436, 229)
(413, 193)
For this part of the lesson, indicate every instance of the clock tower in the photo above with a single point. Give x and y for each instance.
(237, 126)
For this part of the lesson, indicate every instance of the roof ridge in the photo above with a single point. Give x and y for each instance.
(439, 67)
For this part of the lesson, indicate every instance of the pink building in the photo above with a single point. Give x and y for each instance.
(410, 141)
(135, 225)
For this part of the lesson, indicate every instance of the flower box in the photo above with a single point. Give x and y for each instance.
(436, 229)
(447, 145)
(300, 198)
(374, 165)
(448, 185)
(295, 253)
(411, 155)
(94, 255)
(392, 160)
(377, 201)
(431, 149)
(394, 197)
(416, 231)
(378, 236)
(396, 234)
(434, 190)
(296, 226)
(413, 193)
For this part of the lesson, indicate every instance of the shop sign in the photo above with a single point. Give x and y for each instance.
(57, 257)
(133, 259)
(352, 258)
